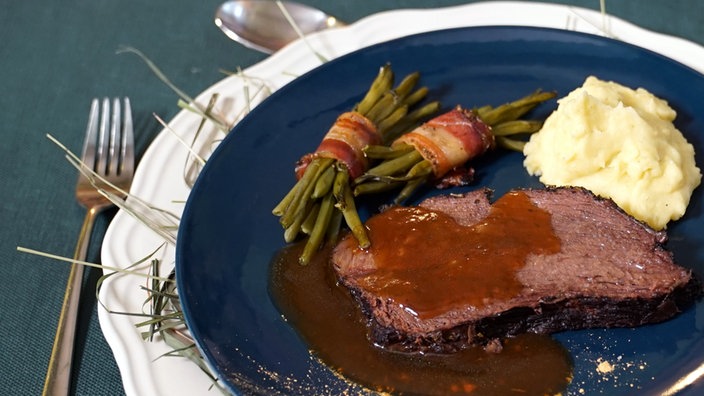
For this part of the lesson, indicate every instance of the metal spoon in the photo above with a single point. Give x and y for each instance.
(262, 25)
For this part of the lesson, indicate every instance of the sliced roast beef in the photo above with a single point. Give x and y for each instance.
(591, 265)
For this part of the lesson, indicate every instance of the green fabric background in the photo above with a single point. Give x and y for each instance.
(57, 55)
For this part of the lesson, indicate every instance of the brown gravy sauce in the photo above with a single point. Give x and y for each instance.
(331, 323)
(478, 263)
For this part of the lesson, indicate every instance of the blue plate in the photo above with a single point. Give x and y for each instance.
(228, 236)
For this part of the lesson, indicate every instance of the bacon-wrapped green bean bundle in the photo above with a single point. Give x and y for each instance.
(322, 197)
(439, 149)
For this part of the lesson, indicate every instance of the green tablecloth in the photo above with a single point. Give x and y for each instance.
(57, 55)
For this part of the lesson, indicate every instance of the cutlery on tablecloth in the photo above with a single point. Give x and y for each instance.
(267, 26)
(108, 150)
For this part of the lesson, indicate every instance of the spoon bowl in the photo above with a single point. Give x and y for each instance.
(263, 26)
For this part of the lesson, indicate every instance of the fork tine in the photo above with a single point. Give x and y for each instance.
(103, 138)
(127, 157)
(109, 151)
(115, 139)
(88, 154)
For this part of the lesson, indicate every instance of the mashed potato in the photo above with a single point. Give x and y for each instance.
(619, 143)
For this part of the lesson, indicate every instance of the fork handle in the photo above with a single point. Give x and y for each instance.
(58, 375)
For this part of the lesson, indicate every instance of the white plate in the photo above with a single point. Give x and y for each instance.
(159, 178)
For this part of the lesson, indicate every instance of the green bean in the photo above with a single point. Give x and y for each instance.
(382, 83)
(480, 111)
(291, 201)
(303, 193)
(417, 176)
(353, 221)
(280, 208)
(334, 227)
(309, 222)
(391, 180)
(421, 169)
(410, 121)
(416, 96)
(397, 165)
(409, 189)
(382, 108)
(341, 181)
(424, 111)
(392, 119)
(318, 232)
(291, 231)
(516, 109)
(373, 187)
(345, 203)
(324, 183)
(516, 127)
(508, 113)
(511, 144)
(393, 99)
(404, 88)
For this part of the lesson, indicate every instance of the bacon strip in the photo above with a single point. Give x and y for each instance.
(345, 142)
(449, 140)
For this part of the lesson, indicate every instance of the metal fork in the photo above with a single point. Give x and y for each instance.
(108, 150)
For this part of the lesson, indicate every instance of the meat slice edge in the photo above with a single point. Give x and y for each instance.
(612, 271)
